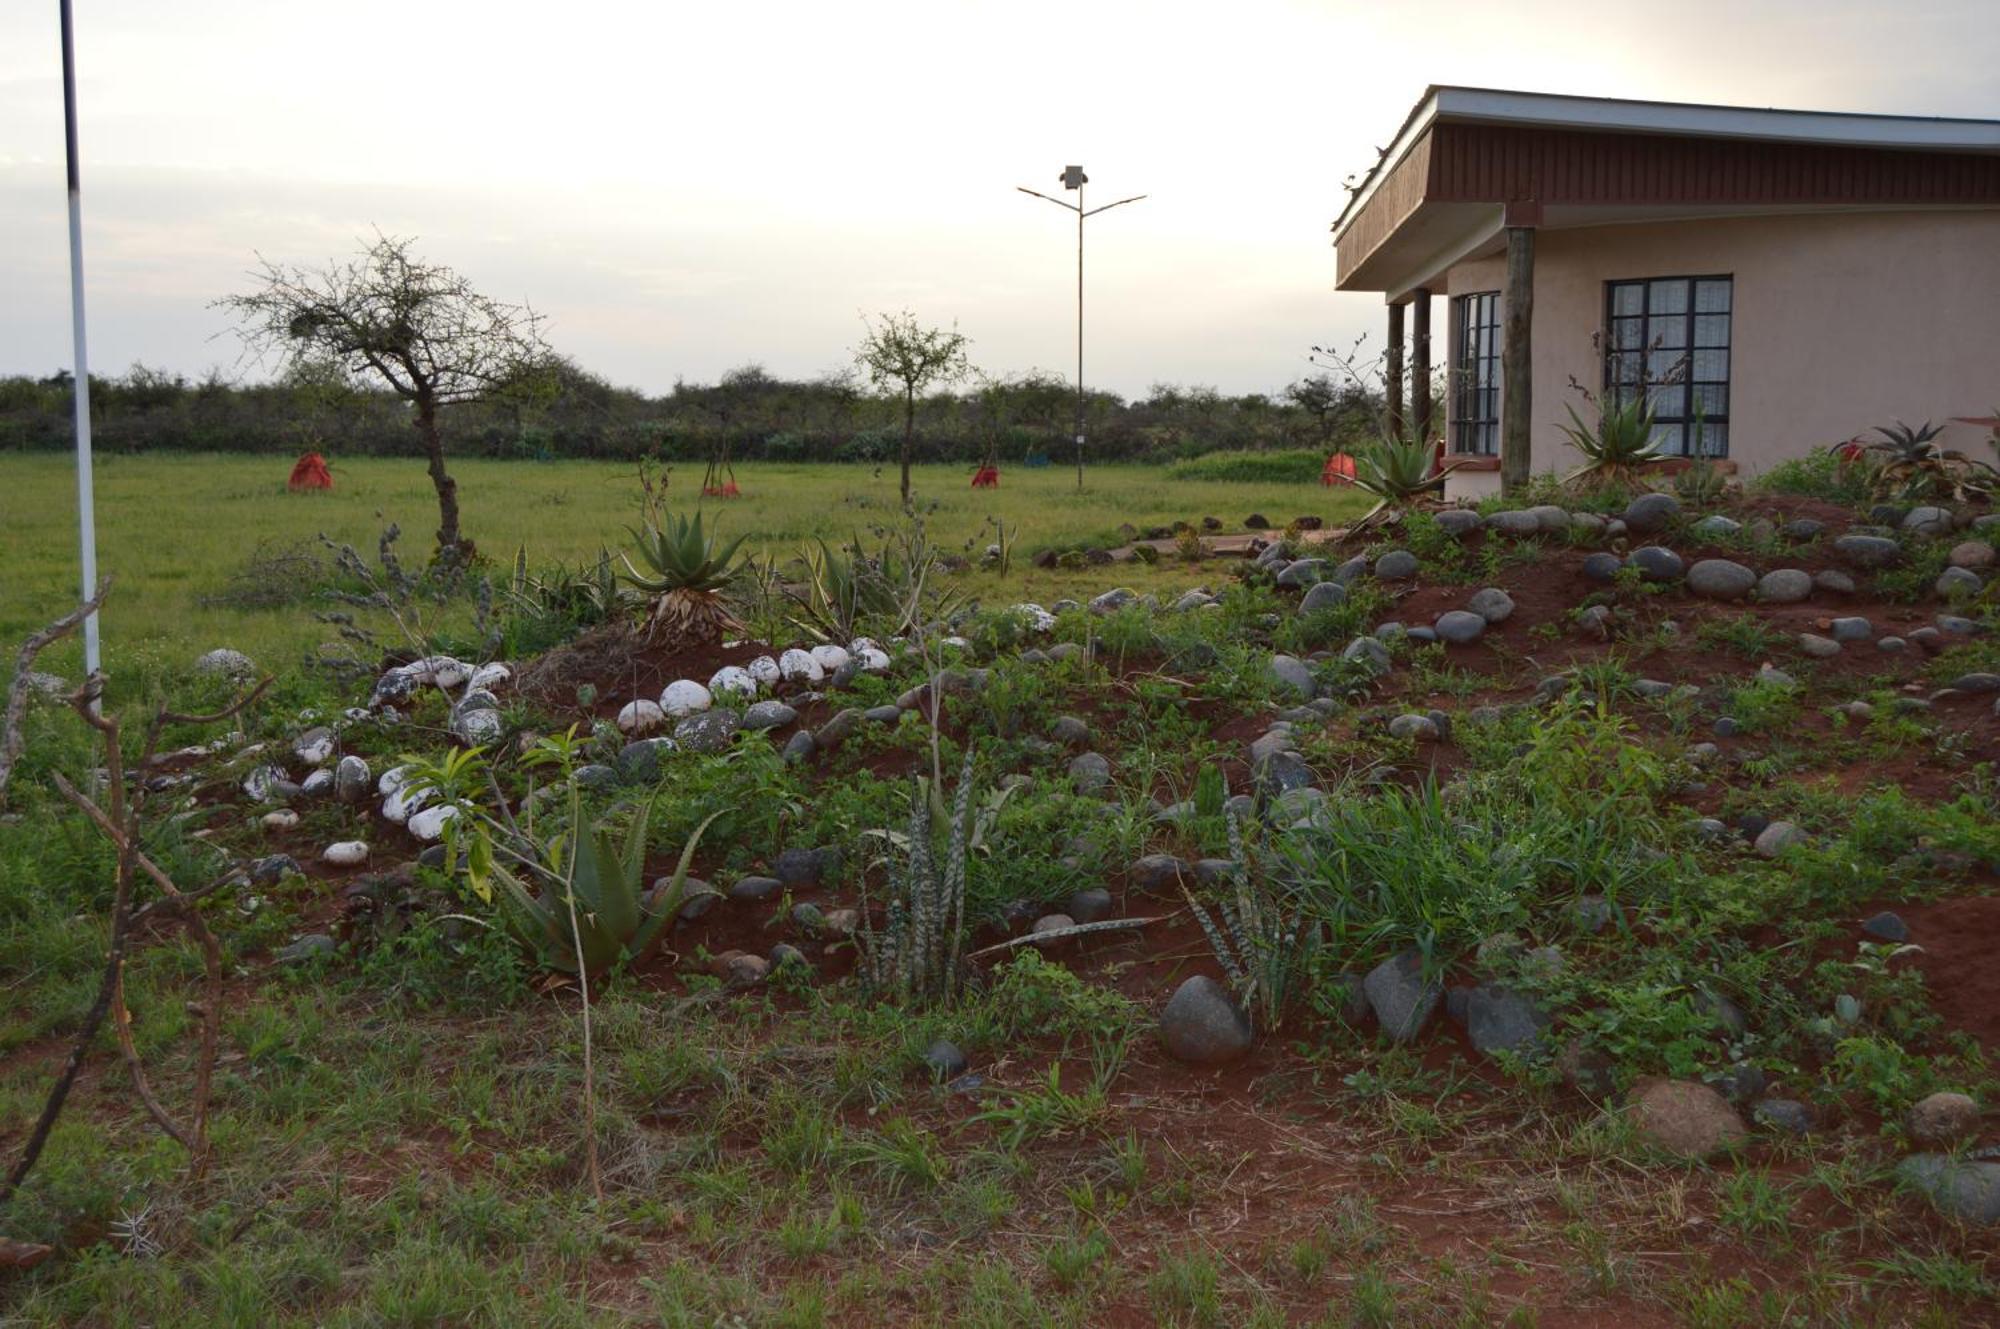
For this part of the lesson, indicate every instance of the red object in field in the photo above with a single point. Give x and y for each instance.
(986, 477)
(722, 491)
(1851, 450)
(310, 472)
(1339, 470)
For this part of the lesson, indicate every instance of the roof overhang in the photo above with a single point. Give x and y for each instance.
(1464, 154)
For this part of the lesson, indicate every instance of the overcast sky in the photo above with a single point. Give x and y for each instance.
(686, 187)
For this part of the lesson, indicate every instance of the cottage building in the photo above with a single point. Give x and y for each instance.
(1775, 281)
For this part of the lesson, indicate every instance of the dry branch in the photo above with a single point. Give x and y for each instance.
(15, 716)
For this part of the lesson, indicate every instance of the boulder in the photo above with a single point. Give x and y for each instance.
(1776, 838)
(1602, 566)
(1867, 552)
(1157, 872)
(1292, 676)
(1498, 1019)
(1303, 572)
(1784, 586)
(1657, 563)
(1942, 1119)
(1649, 513)
(1720, 579)
(1203, 1024)
(1090, 773)
(1323, 595)
(767, 715)
(1685, 1118)
(1965, 1189)
(1927, 521)
(1396, 565)
(1976, 555)
(1460, 626)
(1403, 999)
(1492, 604)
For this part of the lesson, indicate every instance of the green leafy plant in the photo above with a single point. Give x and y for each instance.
(1398, 472)
(1701, 483)
(1906, 465)
(1264, 948)
(687, 570)
(916, 955)
(587, 909)
(1618, 449)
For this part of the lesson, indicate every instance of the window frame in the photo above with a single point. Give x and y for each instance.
(1475, 400)
(1680, 442)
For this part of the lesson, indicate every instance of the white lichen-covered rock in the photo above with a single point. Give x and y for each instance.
(830, 657)
(1037, 618)
(258, 784)
(798, 666)
(393, 779)
(860, 644)
(732, 679)
(318, 783)
(441, 671)
(765, 670)
(430, 823)
(489, 676)
(405, 803)
(684, 697)
(346, 854)
(873, 659)
(227, 663)
(476, 726)
(316, 746)
(281, 820)
(639, 717)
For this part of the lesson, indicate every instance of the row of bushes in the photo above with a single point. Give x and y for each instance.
(756, 416)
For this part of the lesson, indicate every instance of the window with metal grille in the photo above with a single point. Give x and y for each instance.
(1668, 337)
(1475, 387)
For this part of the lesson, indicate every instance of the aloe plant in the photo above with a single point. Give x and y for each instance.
(588, 876)
(1618, 448)
(687, 570)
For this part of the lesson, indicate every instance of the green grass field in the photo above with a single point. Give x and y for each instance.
(174, 529)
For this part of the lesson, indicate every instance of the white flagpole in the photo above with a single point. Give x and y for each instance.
(86, 499)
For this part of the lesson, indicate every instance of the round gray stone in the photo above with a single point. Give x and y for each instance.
(1657, 563)
(1720, 579)
(1492, 604)
(1460, 626)
(1292, 675)
(1402, 998)
(1651, 512)
(1784, 586)
(1323, 595)
(1203, 1024)
(1867, 551)
(1396, 565)
(1602, 566)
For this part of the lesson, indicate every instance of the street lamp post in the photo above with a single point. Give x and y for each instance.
(1074, 178)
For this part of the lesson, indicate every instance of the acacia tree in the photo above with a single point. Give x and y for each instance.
(419, 328)
(900, 354)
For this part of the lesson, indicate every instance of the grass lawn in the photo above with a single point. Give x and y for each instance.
(173, 529)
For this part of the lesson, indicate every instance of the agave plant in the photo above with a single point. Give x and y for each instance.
(1399, 472)
(1701, 484)
(589, 879)
(687, 570)
(1618, 449)
(846, 591)
(1909, 465)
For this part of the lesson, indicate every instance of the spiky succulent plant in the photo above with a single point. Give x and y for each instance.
(687, 569)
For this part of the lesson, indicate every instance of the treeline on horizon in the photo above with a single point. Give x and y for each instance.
(572, 413)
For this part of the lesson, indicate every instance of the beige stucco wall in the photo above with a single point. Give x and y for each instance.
(1841, 321)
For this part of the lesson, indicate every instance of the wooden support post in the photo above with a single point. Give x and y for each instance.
(1420, 362)
(1517, 359)
(1392, 373)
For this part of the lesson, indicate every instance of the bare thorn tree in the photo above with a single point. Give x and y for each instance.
(901, 354)
(418, 328)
